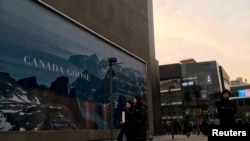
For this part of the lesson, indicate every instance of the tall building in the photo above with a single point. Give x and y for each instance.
(190, 89)
(55, 59)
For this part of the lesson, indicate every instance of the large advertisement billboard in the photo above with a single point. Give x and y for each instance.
(54, 72)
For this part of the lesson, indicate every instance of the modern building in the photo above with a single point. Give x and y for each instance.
(240, 94)
(55, 59)
(189, 90)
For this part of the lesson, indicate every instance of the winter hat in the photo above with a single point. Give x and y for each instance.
(225, 91)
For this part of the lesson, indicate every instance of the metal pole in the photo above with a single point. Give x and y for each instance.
(172, 125)
(111, 100)
(197, 119)
(171, 113)
(111, 60)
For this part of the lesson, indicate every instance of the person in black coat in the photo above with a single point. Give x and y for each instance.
(140, 119)
(128, 125)
(226, 111)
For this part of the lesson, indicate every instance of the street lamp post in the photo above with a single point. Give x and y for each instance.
(196, 117)
(171, 112)
(111, 61)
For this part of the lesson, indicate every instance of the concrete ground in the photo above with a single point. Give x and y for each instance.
(180, 138)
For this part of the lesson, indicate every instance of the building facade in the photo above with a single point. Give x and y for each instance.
(240, 94)
(111, 29)
(193, 88)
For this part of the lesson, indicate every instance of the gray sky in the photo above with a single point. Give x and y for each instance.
(204, 30)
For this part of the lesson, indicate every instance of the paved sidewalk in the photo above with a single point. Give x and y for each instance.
(180, 138)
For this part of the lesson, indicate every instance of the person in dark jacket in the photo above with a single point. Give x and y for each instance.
(128, 125)
(129, 121)
(226, 111)
(140, 119)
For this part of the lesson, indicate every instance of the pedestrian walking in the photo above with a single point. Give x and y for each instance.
(127, 131)
(140, 119)
(226, 111)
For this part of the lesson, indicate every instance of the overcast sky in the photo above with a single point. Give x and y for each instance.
(204, 30)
